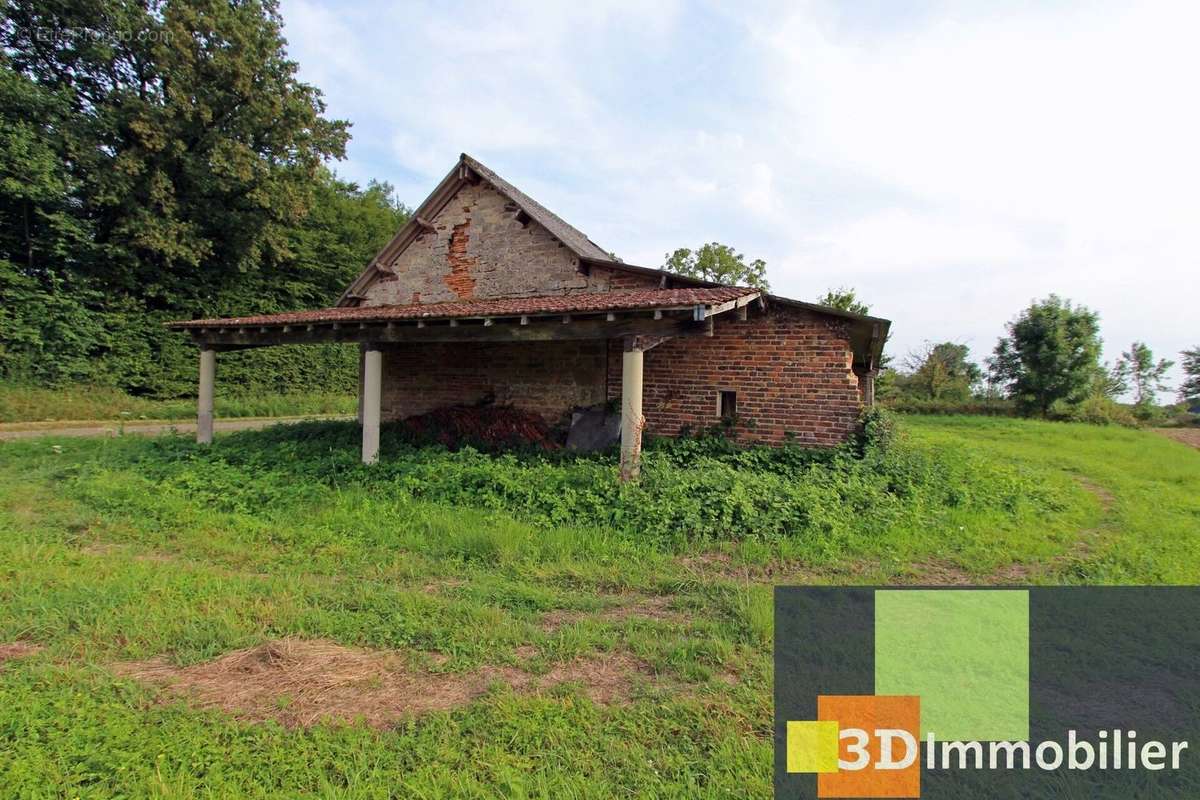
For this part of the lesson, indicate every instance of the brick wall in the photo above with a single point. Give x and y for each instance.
(480, 250)
(790, 368)
(549, 378)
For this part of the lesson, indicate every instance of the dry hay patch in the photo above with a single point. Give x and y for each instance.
(14, 650)
(722, 566)
(301, 682)
(656, 609)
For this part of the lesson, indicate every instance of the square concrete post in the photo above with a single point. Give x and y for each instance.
(632, 421)
(204, 401)
(371, 403)
(361, 367)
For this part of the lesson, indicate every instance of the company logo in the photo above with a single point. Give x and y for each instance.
(984, 693)
(860, 746)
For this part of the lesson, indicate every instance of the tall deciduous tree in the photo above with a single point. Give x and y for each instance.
(720, 264)
(1143, 373)
(1111, 381)
(1051, 353)
(1189, 390)
(190, 145)
(941, 371)
(844, 299)
(158, 160)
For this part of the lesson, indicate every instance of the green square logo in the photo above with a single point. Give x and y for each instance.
(964, 653)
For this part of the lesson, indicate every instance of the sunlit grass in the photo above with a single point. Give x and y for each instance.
(79, 403)
(125, 549)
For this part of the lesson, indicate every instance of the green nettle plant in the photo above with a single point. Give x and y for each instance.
(691, 489)
(1051, 354)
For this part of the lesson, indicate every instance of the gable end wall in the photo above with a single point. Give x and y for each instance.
(480, 250)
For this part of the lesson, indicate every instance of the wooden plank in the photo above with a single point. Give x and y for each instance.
(533, 332)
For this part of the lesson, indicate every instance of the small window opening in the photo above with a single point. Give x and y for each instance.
(728, 405)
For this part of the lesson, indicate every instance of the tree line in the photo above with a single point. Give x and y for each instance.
(1047, 365)
(162, 160)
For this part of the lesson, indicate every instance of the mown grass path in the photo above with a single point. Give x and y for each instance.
(1145, 491)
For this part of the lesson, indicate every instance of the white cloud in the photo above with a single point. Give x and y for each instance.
(950, 164)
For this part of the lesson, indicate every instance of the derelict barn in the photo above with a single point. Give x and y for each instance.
(486, 295)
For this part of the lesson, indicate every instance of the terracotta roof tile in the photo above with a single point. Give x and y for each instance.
(576, 303)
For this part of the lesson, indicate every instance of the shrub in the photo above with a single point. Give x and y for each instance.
(1096, 410)
(988, 408)
(876, 431)
(703, 489)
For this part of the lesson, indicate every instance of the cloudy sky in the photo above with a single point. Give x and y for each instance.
(950, 161)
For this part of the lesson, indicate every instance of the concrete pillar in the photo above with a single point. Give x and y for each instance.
(632, 421)
(361, 367)
(204, 401)
(371, 403)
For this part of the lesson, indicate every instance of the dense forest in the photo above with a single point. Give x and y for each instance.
(162, 161)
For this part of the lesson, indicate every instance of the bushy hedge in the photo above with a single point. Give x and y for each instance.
(689, 489)
(55, 340)
(988, 408)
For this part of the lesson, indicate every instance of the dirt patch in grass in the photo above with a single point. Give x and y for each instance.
(722, 566)
(1189, 436)
(443, 586)
(630, 608)
(302, 682)
(940, 572)
(1106, 498)
(14, 650)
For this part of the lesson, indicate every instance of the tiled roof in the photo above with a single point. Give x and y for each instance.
(565, 304)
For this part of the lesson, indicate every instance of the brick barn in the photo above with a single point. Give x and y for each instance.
(485, 295)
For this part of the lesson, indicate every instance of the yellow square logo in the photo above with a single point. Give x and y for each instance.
(812, 746)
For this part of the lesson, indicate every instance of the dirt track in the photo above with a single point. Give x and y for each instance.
(21, 430)
(1189, 436)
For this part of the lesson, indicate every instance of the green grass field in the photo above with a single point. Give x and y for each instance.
(560, 635)
(31, 404)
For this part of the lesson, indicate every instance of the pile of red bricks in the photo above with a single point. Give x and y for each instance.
(481, 426)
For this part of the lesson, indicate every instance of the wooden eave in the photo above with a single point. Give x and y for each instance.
(675, 320)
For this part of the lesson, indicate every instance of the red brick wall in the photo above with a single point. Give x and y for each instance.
(549, 378)
(791, 370)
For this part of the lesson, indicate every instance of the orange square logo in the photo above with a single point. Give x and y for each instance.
(879, 746)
